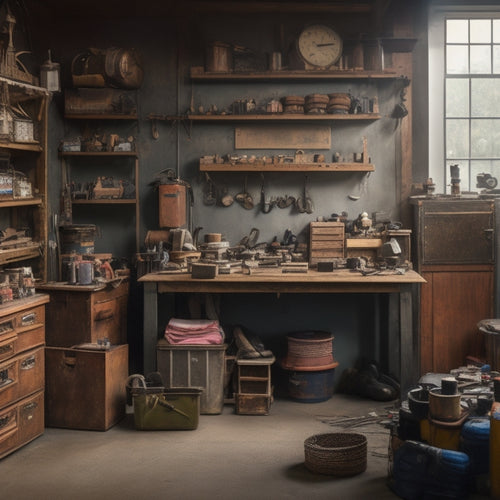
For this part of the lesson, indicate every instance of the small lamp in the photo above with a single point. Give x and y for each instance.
(50, 75)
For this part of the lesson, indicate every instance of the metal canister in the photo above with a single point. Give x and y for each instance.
(219, 58)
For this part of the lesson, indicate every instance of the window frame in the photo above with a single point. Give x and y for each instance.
(437, 15)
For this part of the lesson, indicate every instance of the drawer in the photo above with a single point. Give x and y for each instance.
(106, 321)
(22, 331)
(21, 423)
(22, 375)
(326, 241)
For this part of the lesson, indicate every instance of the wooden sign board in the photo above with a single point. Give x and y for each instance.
(286, 136)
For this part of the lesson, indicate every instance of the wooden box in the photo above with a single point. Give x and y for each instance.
(21, 422)
(253, 404)
(78, 314)
(85, 388)
(326, 241)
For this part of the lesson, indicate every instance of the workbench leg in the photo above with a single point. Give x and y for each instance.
(150, 327)
(409, 344)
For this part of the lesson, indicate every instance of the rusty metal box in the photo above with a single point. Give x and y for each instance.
(194, 366)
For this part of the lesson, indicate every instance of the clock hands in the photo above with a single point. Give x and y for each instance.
(325, 44)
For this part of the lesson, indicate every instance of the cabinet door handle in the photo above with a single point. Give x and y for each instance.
(6, 349)
(4, 421)
(104, 315)
(6, 326)
(28, 363)
(489, 233)
(28, 319)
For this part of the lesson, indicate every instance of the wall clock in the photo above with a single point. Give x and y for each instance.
(318, 46)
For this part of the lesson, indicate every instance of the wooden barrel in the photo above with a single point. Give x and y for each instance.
(114, 67)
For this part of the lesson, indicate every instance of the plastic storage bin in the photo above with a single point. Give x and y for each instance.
(194, 366)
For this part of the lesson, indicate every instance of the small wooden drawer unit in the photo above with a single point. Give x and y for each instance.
(78, 314)
(326, 241)
(22, 371)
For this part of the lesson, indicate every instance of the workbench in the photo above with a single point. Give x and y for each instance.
(403, 338)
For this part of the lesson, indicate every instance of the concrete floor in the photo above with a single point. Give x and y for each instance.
(228, 456)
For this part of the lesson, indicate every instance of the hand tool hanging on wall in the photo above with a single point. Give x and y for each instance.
(209, 197)
(304, 203)
(265, 206)
(245, 198)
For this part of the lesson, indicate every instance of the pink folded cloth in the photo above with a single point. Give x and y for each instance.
(194, 331)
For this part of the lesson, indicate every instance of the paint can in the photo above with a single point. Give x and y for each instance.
(77, 238)
(85, 273)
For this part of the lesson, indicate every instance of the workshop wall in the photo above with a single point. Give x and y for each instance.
(170, 45)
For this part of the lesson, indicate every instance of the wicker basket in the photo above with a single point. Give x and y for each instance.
(336, 454)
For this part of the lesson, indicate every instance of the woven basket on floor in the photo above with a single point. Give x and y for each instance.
(336, 454)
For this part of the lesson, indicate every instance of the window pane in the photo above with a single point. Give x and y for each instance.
(480, 31)
(485, 97)
(457, 138)
(480, 59)
(456, 59)
(485, 138)
(496, 59)
(457, 97)
(490, 167)
(496, 30)
(457, 31)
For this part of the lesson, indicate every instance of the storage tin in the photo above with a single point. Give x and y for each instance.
(166, 409)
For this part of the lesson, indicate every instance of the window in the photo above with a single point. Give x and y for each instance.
(464, 96)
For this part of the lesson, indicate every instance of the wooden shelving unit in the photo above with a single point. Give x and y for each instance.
(31, 159)
(198, 74)
(90, 156)
(282, 117)
(288, 167)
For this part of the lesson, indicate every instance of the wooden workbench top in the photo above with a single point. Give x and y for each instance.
(342, 280)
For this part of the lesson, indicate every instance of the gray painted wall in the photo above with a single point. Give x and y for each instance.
(169, 47)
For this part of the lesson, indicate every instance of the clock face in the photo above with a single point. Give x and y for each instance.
(319, 46)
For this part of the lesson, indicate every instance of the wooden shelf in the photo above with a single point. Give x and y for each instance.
(18, 254)
(197, 73)
(288, 167)
(132, 154)
(20, 202)
(22, 146)
(282, 117)
(97, 116)
(119, 201)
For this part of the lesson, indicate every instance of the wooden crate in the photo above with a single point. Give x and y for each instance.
(326, 241)
(81, 313)
(254, 389)
(85, 389)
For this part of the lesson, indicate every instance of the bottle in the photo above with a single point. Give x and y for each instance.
(495, 442)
